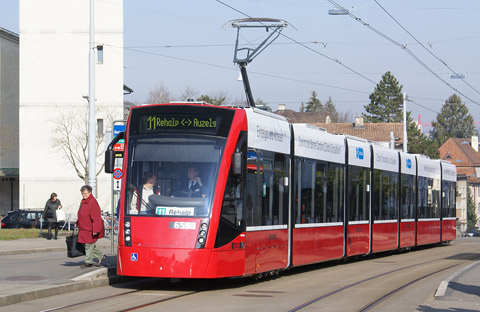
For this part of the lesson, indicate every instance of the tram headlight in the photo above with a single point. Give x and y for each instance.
(127, 238)
(127, 232)
(202, 233)
(127, 224)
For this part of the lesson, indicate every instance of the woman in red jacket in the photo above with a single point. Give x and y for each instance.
(90, 227)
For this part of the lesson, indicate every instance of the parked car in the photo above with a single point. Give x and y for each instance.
(28, 219)
(22, 219)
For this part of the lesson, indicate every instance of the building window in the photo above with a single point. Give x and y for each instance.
(100, 54)
(99, 127)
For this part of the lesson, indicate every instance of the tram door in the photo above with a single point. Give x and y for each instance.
(267, 212)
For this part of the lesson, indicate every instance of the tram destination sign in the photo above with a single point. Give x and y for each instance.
(181, 118)
(162, 122)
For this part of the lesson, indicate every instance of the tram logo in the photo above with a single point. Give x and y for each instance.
(409, 163)
(359, 153)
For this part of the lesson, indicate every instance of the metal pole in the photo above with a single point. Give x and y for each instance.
(405, 138)
(92, 153)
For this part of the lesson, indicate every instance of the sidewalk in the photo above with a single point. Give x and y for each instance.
(25, 276)
(459, 292)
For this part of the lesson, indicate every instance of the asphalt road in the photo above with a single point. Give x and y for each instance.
(410, 279)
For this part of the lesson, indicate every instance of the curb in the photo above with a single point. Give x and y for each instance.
(52, 291)
(97, 278)
(442, 288)
(31, 250)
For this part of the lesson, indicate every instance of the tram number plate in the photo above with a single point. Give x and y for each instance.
(182, 225)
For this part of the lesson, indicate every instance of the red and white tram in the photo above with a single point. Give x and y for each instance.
(270, 195)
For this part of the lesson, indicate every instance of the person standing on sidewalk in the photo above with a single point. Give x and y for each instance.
(90, 227)
(50, 215)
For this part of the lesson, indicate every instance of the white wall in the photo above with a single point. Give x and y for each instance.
(54, 49)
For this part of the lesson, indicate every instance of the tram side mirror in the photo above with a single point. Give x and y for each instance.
(237, 164)
(109, 161)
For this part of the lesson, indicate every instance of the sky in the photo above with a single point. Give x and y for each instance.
(189, 44)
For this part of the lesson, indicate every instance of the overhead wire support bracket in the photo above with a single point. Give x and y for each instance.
(274, 26)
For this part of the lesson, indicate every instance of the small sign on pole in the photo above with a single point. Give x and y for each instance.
(117, 173)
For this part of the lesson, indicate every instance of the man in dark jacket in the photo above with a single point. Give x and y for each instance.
(50, 215)
(90, 227)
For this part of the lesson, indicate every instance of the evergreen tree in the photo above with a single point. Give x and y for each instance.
(386, 102)
(214, 101)
(331, 110)
(386, 105)
(417, 142)
(471, 214)
(453, 121)
(313, 104)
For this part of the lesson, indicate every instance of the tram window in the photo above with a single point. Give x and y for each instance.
(435, 207)
(422, 197)
(253, 197)
(173, 161)
(448, 199)
(280, 202)
(334, 192)
(358, 197)
(318, 191)
(385, 195)
(408, 196)
(232, 216)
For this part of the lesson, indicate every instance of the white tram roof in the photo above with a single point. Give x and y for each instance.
(408, 163)
(427, 167)
(268, 131)
(385, 159)
(449, 171)
(315, 143)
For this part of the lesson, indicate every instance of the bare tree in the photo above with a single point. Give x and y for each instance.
(188, 93)
(159, 94)
(345, 117)
(71, 135)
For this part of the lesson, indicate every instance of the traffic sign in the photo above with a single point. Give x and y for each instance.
(117, 173)
(120, 146)
(117, 129)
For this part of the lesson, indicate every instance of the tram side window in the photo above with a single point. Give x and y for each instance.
(253, 197)
(385, 195)
(358, 197)
(232, 216)
(450, 197)
(266, 194)
(334, 192)
(408, 196)
(274, 195)
(422, 197)
(436, 189)
(319, 192)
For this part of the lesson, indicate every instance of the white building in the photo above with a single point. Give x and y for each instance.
(8, 121)
(54, 51)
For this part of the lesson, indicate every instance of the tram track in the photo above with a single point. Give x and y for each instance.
(382, 298)
(369, 292)
(106, 298)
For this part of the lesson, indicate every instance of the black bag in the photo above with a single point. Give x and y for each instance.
(49, 214)
(74, 248)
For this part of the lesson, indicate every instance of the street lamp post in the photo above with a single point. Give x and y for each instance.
(92, 153)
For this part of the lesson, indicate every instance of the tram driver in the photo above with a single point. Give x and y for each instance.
(192, 187)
